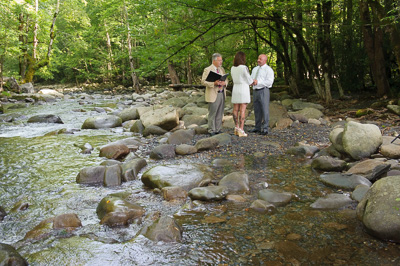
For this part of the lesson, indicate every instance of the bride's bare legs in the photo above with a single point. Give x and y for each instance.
(243, 107)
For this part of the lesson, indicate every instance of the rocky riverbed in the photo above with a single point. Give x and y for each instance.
(134, 179)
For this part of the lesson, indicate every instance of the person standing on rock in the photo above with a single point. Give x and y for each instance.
(215, 95)
(241, 92)
(263, 76)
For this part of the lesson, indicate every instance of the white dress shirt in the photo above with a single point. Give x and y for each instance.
(265, 76)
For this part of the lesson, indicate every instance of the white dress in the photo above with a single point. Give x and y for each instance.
(241, 80)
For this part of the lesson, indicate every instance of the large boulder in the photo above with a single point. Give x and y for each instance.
(394, 108)
(207, 144)
(361, 140)
(187, 176)
(165, 229)
(153, 130)
(336, 137)
(371, 168)
(236, 182)
(164, 151)
(379, 211)
(12, 85)
(51, 92)
(389, 149)
(112, 176)
(45, 119)
(114, 211)
(166, 118)
(194, 120)
(114, 151)
(137, 127)
(10, 256)
(129, 114)
(300, 105)
(91, 175)
(103, 121)
(185, 149)
(27, 88)
(308, 113)
(131, 168)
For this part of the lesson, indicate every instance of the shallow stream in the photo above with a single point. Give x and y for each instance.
(41, 170)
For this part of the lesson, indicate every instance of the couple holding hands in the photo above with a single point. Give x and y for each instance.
(261, 78)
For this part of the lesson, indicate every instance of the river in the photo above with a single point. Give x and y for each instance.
(41, 169)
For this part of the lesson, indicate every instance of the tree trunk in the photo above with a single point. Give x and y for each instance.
(23, 62)
(33, 64)
(135, 80)
(110, 55)
(35, 29)
(300, 71)
(172, 73)
(373, 41)
(189, 70)
(1, 71)
(326, 47)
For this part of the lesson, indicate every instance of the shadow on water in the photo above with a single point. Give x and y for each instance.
(41, 171)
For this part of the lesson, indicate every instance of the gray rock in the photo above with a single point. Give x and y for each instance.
(176, 102)
(307, 113)
(114, 211)
(110, 162)
(153, 130)
(300, 105)
(326, 163)
(131, 169)
(332, 201)
(129, 114)
(181, 136)
(394, 109)
(206, 144)
(278, 199)
(297, 117)
(194, 110)
(91, 175)
(194, 120)
(113, 176)
(208, 193)
(371, 168)
(165, 229)
(336, 137)
(104, 121)
(236, 182)
(12, 85)
(45, 119)
(185, 149)
(391, 150)
(222, 162)
(359, 192)
(174, 193)
(223, 139)
(186, 176)
(66, 221)
(10, 256)
(303, 150)
(361, 140)
(379, 210)
(263, 206)
(137, 127)
(114, 151)
(164, 151)
(345, 181)
(166, 118)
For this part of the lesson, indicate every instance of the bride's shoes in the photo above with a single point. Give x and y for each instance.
(241, 133)
(237, 131)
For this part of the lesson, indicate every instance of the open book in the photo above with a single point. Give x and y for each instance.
(213, 76)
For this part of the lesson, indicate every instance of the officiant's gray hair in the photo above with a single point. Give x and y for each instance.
(215, 56)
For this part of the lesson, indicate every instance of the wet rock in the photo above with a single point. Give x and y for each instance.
(129, 114)
(276, 198)
(51, 92)
(165, 151)
(345, 181)
(103, 121)
(181, 136)
(133, 141)
(110, 162)
(91, 175)
(206, 144)
(302, 150)
(332, 202)
(174, 193)
(194, 120)
(379, 210)
(208, 193)
(3, 213)
(361, 140)
(185, 149)
(27, 88)
(113, 176)
(114, 151)
(236, 182)
(131, 168)
(236, 198)
(326, 163)
(263, 206)
(10, 256)
(359, 192)
(153, 130)
(166, 118)
(137, 127)
(165, 229)
(68, 221)
(114, 211)
(186, 176)
(45, 119)
(100, 110)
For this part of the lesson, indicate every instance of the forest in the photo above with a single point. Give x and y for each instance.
(327, 48)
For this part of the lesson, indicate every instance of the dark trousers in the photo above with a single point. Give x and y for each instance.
(261, 108)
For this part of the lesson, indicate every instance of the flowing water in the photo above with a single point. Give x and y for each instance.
(40, 170)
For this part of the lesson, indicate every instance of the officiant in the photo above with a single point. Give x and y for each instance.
(215, 95)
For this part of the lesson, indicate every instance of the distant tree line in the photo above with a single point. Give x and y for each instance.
(328, 47)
